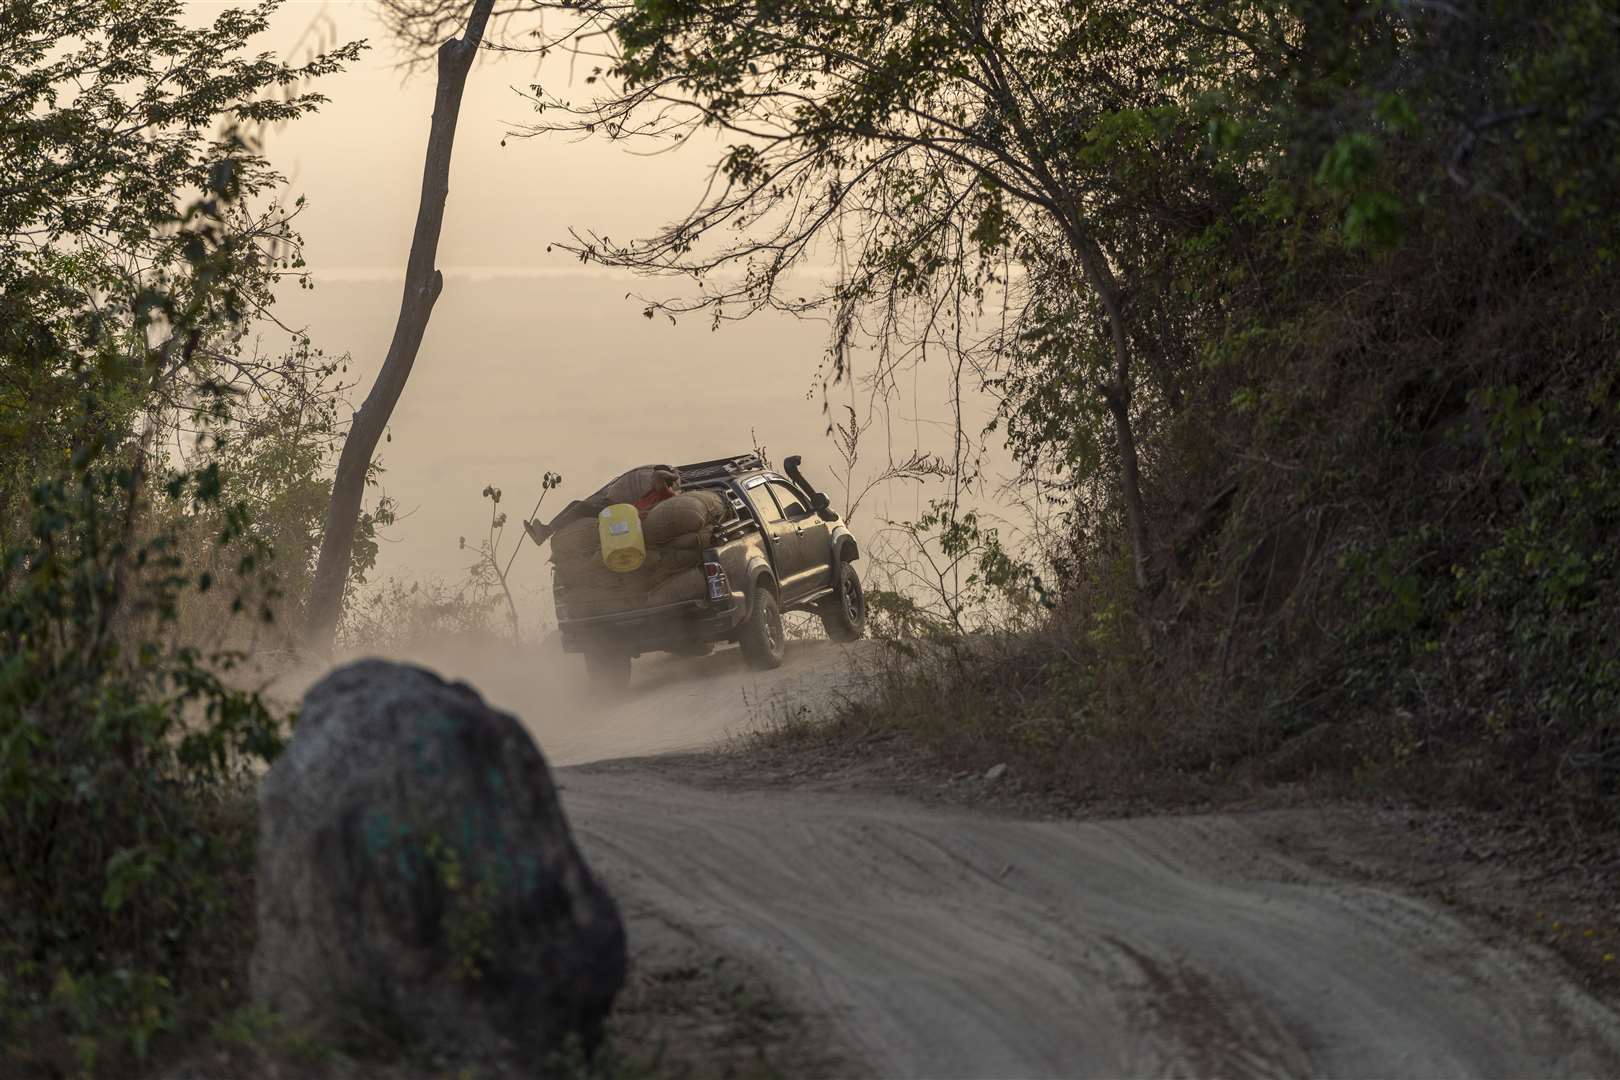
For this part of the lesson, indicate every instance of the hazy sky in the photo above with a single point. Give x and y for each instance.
(531, 361)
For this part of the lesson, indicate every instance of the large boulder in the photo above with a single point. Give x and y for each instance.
(415, 867)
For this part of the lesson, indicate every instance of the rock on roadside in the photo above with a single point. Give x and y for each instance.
(415, 867)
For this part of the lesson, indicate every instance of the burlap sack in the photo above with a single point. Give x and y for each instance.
(581, 571)
(576, 541)
(686, 585)
(590, 588)
(666, 561)
(687, 513)
(691, 542)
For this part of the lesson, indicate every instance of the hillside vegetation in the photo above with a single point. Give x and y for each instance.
(1381, 458)
(1380, 427)
(1305, 304)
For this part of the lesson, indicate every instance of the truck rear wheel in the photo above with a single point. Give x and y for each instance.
(763, 641)
(843, 614)
(608, 670)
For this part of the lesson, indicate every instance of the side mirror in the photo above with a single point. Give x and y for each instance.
(823, 507)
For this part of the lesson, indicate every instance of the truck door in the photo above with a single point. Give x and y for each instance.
(812, 539)
(779, 535)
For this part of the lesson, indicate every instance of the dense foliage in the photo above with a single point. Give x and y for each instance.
(154, 469)
(1387, 510)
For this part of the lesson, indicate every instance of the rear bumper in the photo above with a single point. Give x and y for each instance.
(650, 629)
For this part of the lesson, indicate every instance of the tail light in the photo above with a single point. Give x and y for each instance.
(715, 576)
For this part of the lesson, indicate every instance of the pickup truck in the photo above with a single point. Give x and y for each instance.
(778, 547)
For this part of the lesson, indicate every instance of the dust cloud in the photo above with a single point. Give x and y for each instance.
(674, 703)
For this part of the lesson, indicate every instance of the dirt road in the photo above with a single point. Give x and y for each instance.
(944, 944)
(949, 944)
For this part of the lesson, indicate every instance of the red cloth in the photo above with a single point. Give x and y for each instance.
(652, 499)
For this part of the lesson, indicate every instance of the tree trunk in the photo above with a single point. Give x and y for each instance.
(1117, 395)
(423, 283)
(1130, 477)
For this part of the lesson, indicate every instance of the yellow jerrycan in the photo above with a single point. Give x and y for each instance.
(623, 548)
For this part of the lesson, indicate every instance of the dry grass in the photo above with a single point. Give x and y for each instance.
(1091, 723)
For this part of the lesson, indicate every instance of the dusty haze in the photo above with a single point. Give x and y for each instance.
(531, 361)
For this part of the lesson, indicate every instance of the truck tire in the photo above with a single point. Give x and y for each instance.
(763, 641)
(843, 614)
(608, 670)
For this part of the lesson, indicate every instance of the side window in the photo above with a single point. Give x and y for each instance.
(792, 504)
(763, 503)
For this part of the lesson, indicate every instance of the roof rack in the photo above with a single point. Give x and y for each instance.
(719, 468)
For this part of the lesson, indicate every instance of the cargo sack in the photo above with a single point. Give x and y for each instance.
(688, 584)
(574, 554)
(569, 571)
(690, 544)
(574, 542)
(590, 588)
(665, 562)
(687, 513)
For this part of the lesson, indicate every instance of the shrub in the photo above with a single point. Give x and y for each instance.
(126, 276)
(118, 749)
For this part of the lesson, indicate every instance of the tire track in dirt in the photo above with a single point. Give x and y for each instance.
(946, 944)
